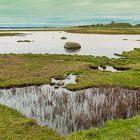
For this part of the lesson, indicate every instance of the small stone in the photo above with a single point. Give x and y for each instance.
(52, 83)
(60, 83)
(63, 38)
(56, 87)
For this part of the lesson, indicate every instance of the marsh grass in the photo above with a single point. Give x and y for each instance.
(9, 34)
(105, 30)
(35, 69)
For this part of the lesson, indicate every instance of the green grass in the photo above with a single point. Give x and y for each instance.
(36, 69)
(130, 79)
(113, 130)
(14, 126)
(9, 34)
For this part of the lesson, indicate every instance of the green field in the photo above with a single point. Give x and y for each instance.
(35, 69)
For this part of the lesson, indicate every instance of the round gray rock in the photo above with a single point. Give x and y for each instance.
(60, 83)
(72, 45)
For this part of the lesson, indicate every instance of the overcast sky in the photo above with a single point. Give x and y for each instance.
(68, 12)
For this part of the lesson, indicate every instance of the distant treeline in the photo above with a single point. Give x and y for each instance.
(113, 25)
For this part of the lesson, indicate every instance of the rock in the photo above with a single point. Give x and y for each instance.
(91, 134)
(60, 83)
(125, 39)
(24, 41)
(72, 45)
(103, 66)
(93, 67)
(63, 38)
(56, 87)
(121, 68)
(52, 83)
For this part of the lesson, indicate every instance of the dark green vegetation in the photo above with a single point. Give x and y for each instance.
(31, 69)
(114, 25)
(112, 28)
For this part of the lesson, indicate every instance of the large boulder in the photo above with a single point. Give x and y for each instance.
(72, 45)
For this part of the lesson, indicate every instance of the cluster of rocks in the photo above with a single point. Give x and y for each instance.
(58, 84)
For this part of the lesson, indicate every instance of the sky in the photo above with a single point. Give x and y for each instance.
(14, 13)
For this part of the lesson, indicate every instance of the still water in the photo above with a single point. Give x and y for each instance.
(51, 42)
(66, 111)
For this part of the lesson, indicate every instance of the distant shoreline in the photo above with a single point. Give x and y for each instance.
(112, 24)
(111, 28)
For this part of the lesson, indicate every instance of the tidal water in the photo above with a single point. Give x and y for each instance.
(51, 42)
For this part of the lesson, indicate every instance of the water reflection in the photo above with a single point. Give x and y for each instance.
(67, 111)
(70, 79)
(109, 68)
(72, 50)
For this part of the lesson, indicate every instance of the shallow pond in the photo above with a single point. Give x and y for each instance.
(66, 111)
(110, 69)
(51, 42)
